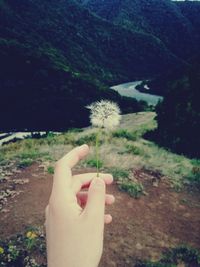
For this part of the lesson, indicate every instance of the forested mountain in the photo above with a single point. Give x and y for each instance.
(87, 44)
(38, 92)
(175, 24)
(56, 56)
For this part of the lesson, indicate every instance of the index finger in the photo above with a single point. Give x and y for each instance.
(63, 175)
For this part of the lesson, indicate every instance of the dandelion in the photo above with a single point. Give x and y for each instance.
(104, 115)
(1, 250)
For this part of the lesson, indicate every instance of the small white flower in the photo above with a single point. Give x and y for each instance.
(104, 114)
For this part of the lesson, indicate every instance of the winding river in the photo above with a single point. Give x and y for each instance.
(129, 89)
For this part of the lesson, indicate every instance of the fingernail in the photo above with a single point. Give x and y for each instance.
(85, 145)
(98, 181)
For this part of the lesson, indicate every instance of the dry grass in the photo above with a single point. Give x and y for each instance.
(115, 152)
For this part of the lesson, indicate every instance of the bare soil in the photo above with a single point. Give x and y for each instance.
(141, 229)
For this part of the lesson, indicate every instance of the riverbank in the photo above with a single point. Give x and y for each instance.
(10, 137)
(129, 90)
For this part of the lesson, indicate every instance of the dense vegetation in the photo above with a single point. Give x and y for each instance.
(55, 56)
(179, 114)
(173, 23)
(87, 44)
(41, 93)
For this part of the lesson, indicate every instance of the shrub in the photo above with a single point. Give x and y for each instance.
(25, 163)
(122, 133)
(30, 154)
(194, 177)
(134, 150)
(133, 189)
(87, 139)
(182, 253)
(75, 130)
(20, 249)
(50, 169)
(119, 174)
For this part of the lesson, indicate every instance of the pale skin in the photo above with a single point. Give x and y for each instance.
(75, 219)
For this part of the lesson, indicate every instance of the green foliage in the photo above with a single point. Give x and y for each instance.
(49, 77)
(20, 250)
(93, 163)
(64, 100)
(194, 177)
(132, 149)
(25, 163)
(133, 189)
(1, 157)
(178, 31)
(118, 174)
(87, 139)
(153, 264)
(29, 154)
(183, 253)
(172, 257)
(123, 133)
(75, 130)
(50, 169)
(179, 114)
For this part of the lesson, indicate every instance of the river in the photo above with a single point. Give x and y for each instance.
(125, 89)
(128, 89)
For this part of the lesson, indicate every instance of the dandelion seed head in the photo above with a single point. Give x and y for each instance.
(104, 114)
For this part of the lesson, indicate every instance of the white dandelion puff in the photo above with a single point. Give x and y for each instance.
(104, 114)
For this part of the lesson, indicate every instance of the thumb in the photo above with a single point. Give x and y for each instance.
(95, 206)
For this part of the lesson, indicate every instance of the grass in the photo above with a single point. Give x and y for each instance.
(122, 133)
(194, 177)
(89, 139)
(93, 163)
(133, 189)
(133, 149)
(120, 151)
(118, 174)
(25, 163)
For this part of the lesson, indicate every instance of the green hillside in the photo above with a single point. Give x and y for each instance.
(87, 44)
(56, 57)
(175, 26)
(39, 92)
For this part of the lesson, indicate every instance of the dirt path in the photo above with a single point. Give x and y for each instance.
(141, 228)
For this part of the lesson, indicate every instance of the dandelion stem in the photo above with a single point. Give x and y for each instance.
(97, 151)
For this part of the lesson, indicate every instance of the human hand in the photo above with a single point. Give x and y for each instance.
(74, 219)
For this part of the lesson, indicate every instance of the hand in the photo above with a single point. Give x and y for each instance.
(74, 219)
